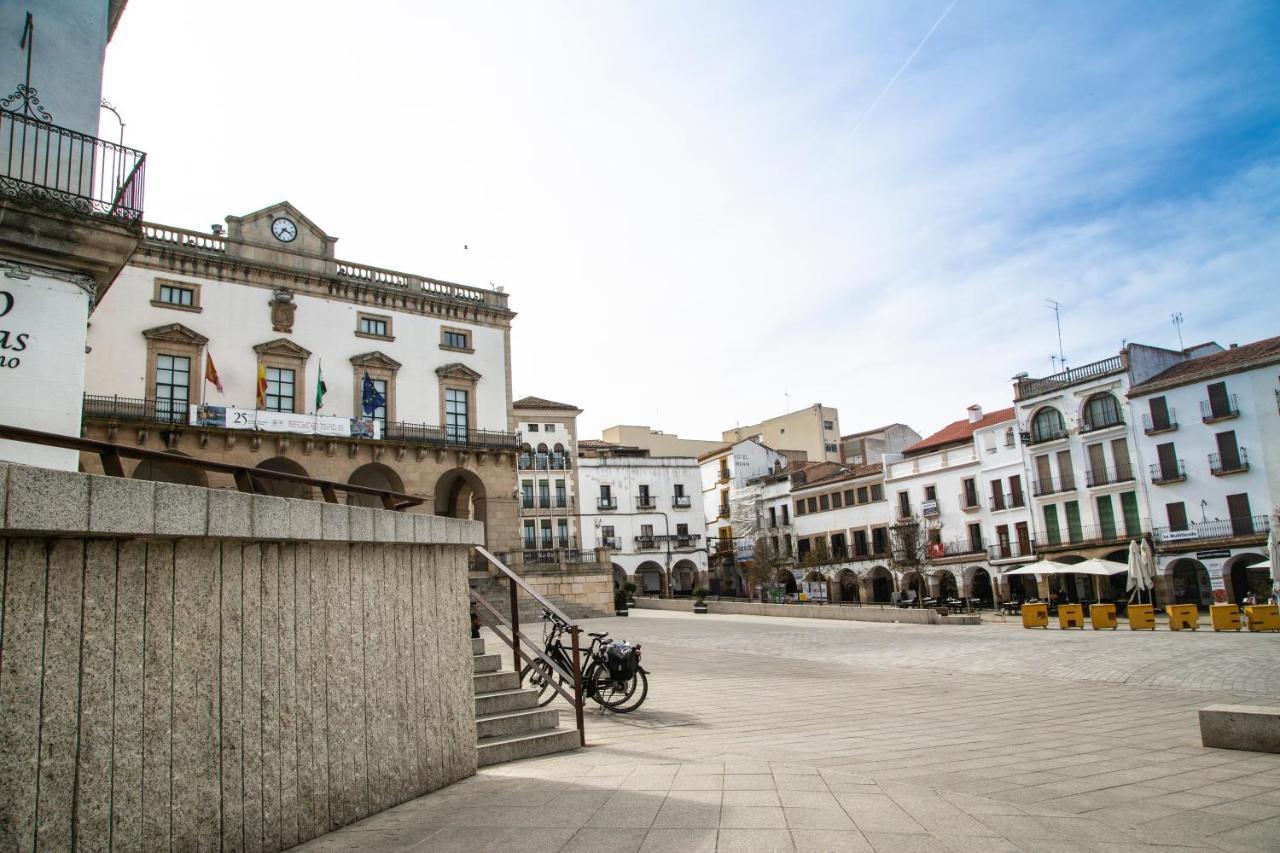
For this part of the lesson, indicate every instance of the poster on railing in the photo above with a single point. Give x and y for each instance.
(230, 417)
(815, 590)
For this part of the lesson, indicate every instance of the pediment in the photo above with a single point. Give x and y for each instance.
(282, 347)
(250, 236)
(457, 370)
(175, 333)
(375, 359)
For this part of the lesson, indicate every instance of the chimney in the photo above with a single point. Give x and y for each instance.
(975, 413)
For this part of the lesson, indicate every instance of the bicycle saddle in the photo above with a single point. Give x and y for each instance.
(602, 634)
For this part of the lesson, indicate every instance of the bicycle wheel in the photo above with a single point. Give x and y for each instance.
(606, 691)
(540, 677)
(639, 690)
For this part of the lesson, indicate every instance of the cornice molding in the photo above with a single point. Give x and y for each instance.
(284, 347)
(175, 333)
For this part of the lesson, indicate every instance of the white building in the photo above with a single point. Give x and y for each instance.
(813, 431)
(646, 511)
(1209, 451)
(544, 469)
(842, 523)
(863, 448)
(729, 502)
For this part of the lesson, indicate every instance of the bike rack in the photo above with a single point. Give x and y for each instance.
(517, 583)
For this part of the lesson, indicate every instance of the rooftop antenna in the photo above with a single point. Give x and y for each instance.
(787, 397)
(1053, 360)
(1176, 317)
(1057, 317)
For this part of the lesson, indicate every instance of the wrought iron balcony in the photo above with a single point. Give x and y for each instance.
(645, 502)
(1247, 526)
(542, 462)
(1046, 436)
(723, 512)
(1053, 485)
(527, 502)
(689, 541)
(646, 543)
(54, 166)
(969, 502)
(1084, 535)
(1151, 426)
(725, 476)
(953, 548)
(1221, 464)
(606, 503)
(1106, 422)
(680, 502)
(610, 542)
(1108, 476)
(1212, 411)
(1012, 550)
(1163, 474)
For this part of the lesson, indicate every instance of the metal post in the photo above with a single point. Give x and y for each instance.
(577, 686)
(515, 628)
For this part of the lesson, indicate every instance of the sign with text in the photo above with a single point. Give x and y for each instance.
(230, 417)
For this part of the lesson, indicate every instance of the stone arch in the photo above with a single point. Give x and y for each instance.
(1189, 582)
(914, 581)
(788, 580)
(846, 587)
(170, 472)
(460, 494)
(684, 577)
(649, 578)
(981, 592)
(1245, 577)
(948, 587)
(1100, 410)
(1047, 424)
(881, 585)
(619, 576)
(373, 475)
(282, 488)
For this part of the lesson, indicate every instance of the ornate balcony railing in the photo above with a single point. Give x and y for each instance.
(1053, 485)
(1173, 473)
(646, 543)
(1068, 537)
(542, 462)
(1012, 550)
(1246, 526)
(63, 168)
(953, 548)
(1046, 436)
(1028, 387)
(970, 501)
(680, 502)
(606, 503)
(1229, 463)
(1108, 476)
(1105, 422)
(1212, 411)
(644, 502)
(1152, 426)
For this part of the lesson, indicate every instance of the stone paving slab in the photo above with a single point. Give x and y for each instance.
(764, 734)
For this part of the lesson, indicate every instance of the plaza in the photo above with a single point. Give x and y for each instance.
(777, 734)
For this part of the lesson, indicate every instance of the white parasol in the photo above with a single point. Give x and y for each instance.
(1273, 554)
(1147, 563)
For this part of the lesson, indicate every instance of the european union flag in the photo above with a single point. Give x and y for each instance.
(370, 399)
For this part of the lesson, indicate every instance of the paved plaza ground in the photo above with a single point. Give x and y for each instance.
(769, 734)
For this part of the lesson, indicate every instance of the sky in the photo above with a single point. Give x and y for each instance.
(710, 213)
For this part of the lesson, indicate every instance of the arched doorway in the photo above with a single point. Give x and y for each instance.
(619, 577)
(1190, 583)
(915, 584)
(684, 577)
(1246, 577)
(460, 494)
(649, 578)
(881, 585)
(283, 488)
(788, 581)
(1069, 587)
(947, 587)
(847, 586)
(373, 475)
(980, 591)
(169, 472)
(1023, 588)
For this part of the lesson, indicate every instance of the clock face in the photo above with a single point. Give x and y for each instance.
(284, 229)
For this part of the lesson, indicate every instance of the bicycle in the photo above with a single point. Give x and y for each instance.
(598, 682)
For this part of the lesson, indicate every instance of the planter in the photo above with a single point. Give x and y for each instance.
(620, 611)
(699, 607)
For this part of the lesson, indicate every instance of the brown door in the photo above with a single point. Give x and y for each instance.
(1241, 517)
(1177, 513)
(1228, 450)
(1015, 490)
(997, 494)
(1120, 455)
(1097, 464)
(1066, 475)
(1168, 461)
(1044, 479)
(1159, 413)
(1219, 403)
(1024, 538)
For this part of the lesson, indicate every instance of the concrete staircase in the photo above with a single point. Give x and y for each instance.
(509, 723)
(496, 591)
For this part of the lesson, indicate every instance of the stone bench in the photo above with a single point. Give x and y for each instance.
(1252, 727)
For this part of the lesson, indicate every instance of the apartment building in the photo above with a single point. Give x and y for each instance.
(1209, 447)
(870, 445)
(814, 431)
(730, 504)
(657, 442)
(548, 509)
(843, 527)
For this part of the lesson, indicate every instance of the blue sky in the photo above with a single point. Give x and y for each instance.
(697, 217)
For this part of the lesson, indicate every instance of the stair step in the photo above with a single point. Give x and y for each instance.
(487, 682)
(487, 663)
(523, 721)
(501, 701)
(496, 750)
(477, 646)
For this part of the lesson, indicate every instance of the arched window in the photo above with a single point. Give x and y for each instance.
(1047, 425)
(1100, 410)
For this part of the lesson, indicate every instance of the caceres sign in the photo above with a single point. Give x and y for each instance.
(13, 342)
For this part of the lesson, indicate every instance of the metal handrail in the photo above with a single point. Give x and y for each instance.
(541, 655)
(245, 477)
(518, 583)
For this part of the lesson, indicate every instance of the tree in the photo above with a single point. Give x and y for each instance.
(909, 542)
(764, 564)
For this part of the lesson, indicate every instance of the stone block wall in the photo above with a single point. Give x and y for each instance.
(183, 668)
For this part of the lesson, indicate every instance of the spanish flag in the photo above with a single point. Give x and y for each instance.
(211, 372)
(262, 386)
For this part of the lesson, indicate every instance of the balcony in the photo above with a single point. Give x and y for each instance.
(542, 462)
(1212, 411)
(1012, 550)
(725, 475)
(55, 167)
(144, 410)
(610, 542)
(1108, 476)
(1028, 387)
(645, 502)
(526, 502)
(1222, 464)
(954, 548)
(1053, 485)
(646, 543)
(1162, 475)
(680, 502)
(1046, 437)
(1105, 423)
(929, 509)
(1250, 526)
(722, 512)
(544, 556)
(1087, 536)
(1151, 426)
(969, 502)
(688, 541)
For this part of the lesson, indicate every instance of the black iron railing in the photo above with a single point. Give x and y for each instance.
(1053, 485)
(527, 462)
(1012, 550)
(680, 502)
(969, 500)
(954, 548)
(1087, 535)
(1152, 426)
(1229, 463)
(1104, 422)
(1107, 476)
(64, 168)
(1175, 472)
(610, 542)
(1257, 525)
(1219, 410)
(606, 503)
(645, 502)
(646, 543)
(1047, 435)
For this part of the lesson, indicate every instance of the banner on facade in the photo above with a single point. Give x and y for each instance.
(230, 417)
(814, 590)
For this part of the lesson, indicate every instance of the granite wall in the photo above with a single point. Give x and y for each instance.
(190, 669)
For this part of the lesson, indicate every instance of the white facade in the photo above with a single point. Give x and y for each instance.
(647, 512)
(842, 531)
(1008, 527)
(545, 476)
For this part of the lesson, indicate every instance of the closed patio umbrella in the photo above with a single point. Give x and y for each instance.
(1273, 554)
(1149, 568)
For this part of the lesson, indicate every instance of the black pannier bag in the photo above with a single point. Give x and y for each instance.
(621, 660)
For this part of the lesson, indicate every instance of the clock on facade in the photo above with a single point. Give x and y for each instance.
(284, 229)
